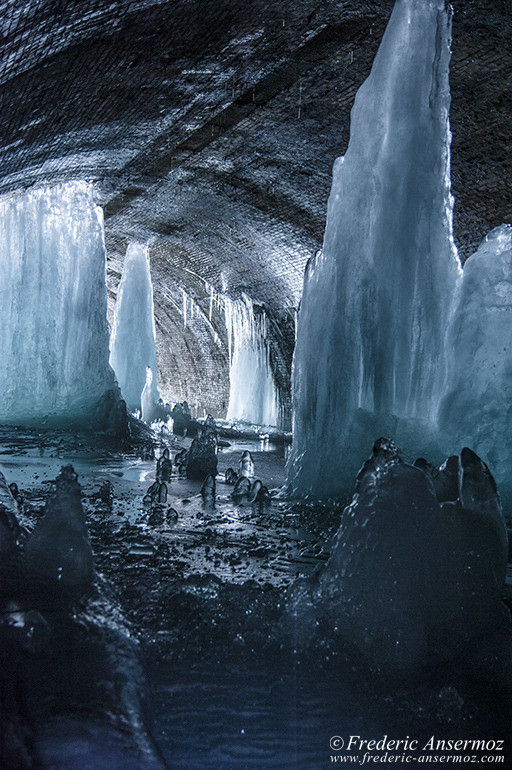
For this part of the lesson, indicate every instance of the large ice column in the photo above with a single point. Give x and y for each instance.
(368, 359)
(252, 392)
(476, 410)
(53, 305)
(133, 336)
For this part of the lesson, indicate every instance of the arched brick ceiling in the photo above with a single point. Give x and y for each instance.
(209, 127)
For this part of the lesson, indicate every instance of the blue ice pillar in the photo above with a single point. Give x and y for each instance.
(368, 359)
(252, 391)
(476, 410)
(53, 306)
(132, 347)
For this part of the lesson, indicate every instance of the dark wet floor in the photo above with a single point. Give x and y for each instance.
(204, 597)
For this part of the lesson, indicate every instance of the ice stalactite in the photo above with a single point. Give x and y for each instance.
(252, 391)
(53, 306)
(369, 355)
(133, 336)
(476, 408)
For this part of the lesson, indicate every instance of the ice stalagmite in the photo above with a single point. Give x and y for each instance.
(53, 305)
(252, 392)
(368, 359)
(133, 336)
(476, 409)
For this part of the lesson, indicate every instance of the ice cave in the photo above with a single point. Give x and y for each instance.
(255, 384)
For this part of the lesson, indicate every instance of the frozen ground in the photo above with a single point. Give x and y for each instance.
(204, 597)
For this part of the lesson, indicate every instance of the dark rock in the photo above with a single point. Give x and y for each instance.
(111, 415)
(180, 457)
(153, 490)
(181, 419)
(156, 517)
(384, 455)
(105, 494)
(447, 480)
(9, 530)
(15, 492)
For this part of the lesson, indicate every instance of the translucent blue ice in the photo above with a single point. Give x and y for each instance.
(369, 357)
(133, 335)
(53, 305)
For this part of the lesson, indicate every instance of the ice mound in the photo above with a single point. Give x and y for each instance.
(413, 582)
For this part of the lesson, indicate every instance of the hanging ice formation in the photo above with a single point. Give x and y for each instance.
(368, 359)
(53, 306)
(132, 347)
(252, 392)
(476, 409)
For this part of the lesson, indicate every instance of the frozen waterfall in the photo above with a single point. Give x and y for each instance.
(132, 347)
(369, 356)
(252, 392)
(53, 305)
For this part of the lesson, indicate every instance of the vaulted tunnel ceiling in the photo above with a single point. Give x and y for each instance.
(209, 128)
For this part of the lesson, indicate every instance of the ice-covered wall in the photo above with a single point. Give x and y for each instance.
(53, 305)
(133, 335)
(476, 410)
(252, 391)
(368, 359)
